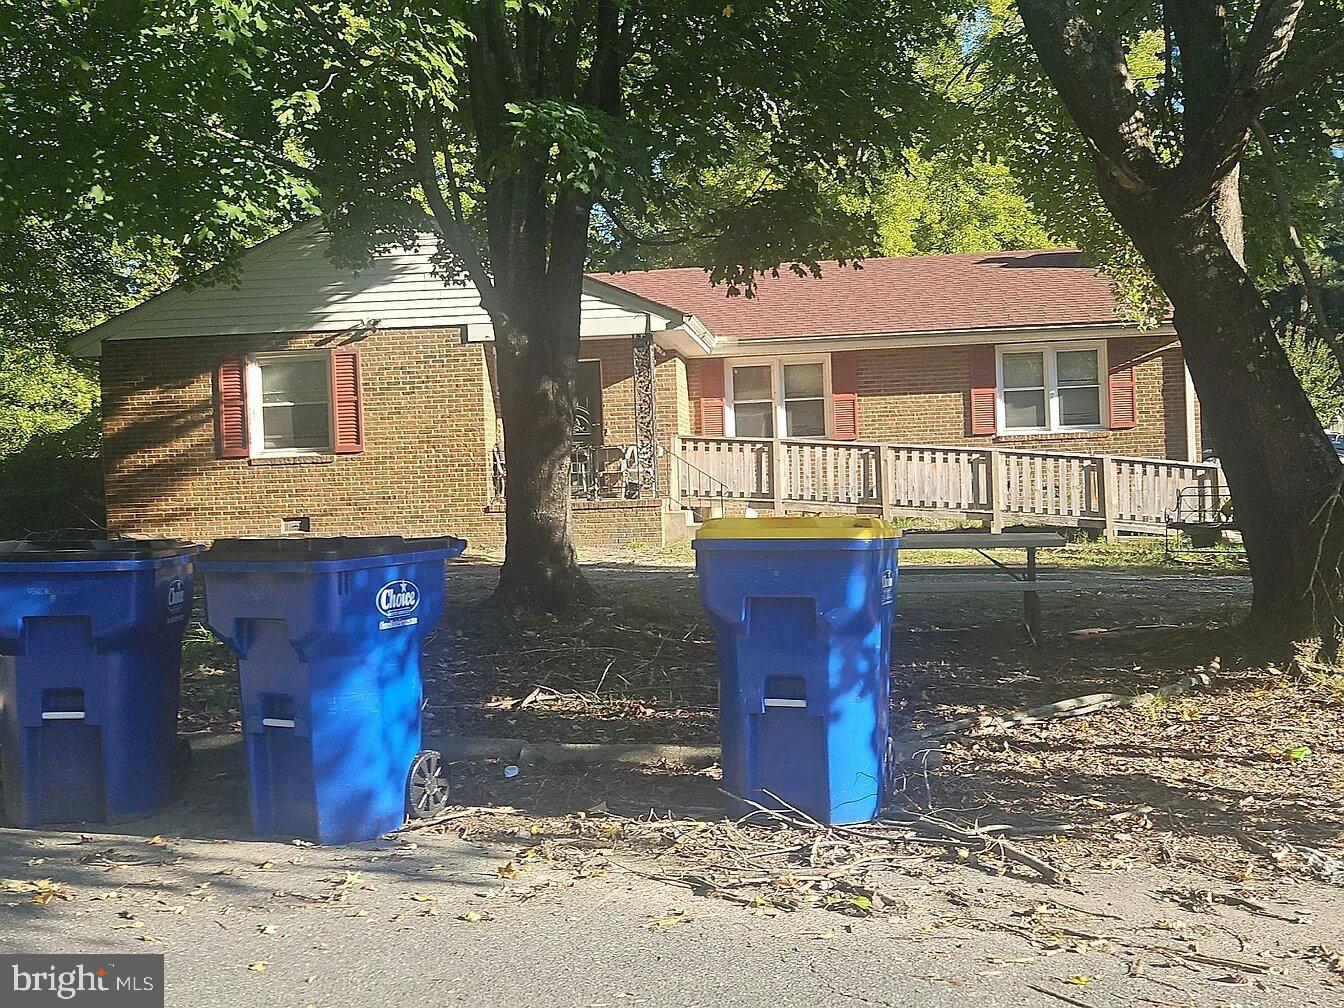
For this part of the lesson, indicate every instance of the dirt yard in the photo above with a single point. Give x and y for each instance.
(1183, 850)
(1240, 777)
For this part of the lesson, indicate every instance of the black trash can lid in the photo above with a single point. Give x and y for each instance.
(303, 549)
(47, 550)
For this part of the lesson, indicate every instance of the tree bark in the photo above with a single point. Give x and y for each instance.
(537, 349)
(537, 354)
(538, 245)
(1283, 474)
(1184, 217)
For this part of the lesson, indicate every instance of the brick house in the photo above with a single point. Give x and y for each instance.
(310, 398)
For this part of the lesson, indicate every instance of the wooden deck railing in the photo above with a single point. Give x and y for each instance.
(993, 485)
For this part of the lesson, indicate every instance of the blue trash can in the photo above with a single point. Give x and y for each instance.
(802, 610)
(328, 634)
(90, 670)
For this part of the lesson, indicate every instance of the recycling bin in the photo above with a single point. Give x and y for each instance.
(802, 609)
(90, 669)
(328, 634)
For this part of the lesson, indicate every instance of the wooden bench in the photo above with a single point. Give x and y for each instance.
(935, 581)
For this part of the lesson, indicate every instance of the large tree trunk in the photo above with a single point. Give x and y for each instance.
(1283, 474)
(537, 353)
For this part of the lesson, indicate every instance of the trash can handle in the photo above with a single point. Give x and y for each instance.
(735, 616)
(784, 702)
(63, 704)
(277, 722)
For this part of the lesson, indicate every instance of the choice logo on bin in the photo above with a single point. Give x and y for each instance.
(177, 599)
(397, 601)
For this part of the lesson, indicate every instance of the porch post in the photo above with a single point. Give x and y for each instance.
(646, 426)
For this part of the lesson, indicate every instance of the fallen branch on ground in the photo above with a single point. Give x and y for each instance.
(989, 841)
(1075, 707)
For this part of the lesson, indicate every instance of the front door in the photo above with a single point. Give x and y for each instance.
(588, 405)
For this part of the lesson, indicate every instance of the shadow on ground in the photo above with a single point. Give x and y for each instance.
(1187, 779)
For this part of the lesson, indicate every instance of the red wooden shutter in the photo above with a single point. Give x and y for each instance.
(711, 397)
(982, 416)
(231, 408)
(347, 421)
(844, 396)
(1121, 387)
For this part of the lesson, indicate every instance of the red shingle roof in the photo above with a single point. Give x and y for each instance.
(918, 294)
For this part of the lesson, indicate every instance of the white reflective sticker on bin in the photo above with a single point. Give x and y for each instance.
(888, 586)
(397, 601)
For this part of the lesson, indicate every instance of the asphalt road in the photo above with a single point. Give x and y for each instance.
(248, 924)
(429, 917)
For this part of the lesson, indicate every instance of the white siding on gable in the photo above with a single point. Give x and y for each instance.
(287, 284)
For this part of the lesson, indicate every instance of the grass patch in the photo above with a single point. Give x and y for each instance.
(1141, 553)
(210, 695)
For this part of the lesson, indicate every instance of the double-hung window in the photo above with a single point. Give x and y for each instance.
(753, 401)
(290, 396)
(1051, 388)
(780, 398)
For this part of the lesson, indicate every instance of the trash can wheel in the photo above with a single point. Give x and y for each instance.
(426, 786)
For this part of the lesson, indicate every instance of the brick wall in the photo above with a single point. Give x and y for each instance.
(603, 526)
(919, 395)
(424, 468)
(430, 417)
(616, 359)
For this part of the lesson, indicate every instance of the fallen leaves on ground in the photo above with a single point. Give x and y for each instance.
(666, 923)
(42, 891)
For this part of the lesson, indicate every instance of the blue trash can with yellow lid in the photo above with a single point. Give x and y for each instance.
(329, 634)
(802, 610)
(90, 670)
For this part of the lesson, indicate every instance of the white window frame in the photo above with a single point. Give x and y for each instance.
(1052, 422)
(776, 365)
(256, 434)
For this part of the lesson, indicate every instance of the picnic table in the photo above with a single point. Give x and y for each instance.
(930, 581)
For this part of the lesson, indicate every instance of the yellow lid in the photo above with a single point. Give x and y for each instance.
(815, 527)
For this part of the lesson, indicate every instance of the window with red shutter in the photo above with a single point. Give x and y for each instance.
(231, 434)
(347, 420)
(844, 396)
(982, 410)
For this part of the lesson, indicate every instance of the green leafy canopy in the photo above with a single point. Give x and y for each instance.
(999, 103)
(210, 123)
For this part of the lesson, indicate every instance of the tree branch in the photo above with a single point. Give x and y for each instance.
(1295, 249)
(1089, 69)
(603, 88)
(492, 34)
(451, 225)
(1200, 31)
(1297, 77)
(1267, 42)
(667, 239)
(564, 79)
(1222, 144)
